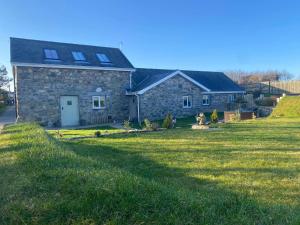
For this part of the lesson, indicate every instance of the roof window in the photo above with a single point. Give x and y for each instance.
(51, 54)
(103, 58)
(78, 56)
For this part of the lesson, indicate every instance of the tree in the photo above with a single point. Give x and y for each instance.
(4, 79)
(245, 77)
(285, 75)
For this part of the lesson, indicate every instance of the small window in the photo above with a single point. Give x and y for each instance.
(205, 100)
(187, 102)
(103, 58)
(98, 102)
(51, 54)
(78, 56)
(231, 98)
(69, 102)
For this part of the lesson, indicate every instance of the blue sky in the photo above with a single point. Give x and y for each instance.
(213, 35)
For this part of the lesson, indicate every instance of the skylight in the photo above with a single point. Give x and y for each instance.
(78, 56)
(103, 58)
(51, 54)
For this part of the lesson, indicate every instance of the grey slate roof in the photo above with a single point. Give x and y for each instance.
(32, 51)
(215, 81)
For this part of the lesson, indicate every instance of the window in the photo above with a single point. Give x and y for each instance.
(205, 100)
(231, 98)
(51, 54)
(103, 58)
(98, 102)
(187, 102)
(78, 56)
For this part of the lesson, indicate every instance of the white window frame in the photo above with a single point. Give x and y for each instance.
(206, 98)
(99, 100)
(231, 98)
(188, 99)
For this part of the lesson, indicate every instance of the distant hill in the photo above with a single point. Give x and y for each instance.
(288, 107)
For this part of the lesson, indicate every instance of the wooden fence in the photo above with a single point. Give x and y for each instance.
(275, 87)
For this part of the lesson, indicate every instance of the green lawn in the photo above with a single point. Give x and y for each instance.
(72, 133)
(289, 106)
(245, 173)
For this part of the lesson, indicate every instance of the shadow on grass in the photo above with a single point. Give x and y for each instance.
(206, 202)
(76, 182)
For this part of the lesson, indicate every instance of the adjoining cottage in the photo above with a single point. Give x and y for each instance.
(61, 84)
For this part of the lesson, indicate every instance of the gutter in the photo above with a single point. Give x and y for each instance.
(223, 92)
(61, 66)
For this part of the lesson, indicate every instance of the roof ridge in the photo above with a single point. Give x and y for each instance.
(182, 70)
(64, 43)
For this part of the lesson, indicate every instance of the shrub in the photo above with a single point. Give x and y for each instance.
(148, 124)
(97, 133)
(214, 117)
(168, 122)
(267, 101)
(127, 124)
(155, 126)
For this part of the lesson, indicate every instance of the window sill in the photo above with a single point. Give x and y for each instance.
(98, 108)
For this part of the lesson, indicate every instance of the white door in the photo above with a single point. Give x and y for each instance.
(69, 110)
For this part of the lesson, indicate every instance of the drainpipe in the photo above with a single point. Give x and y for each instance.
(15, 90)
(138, 107)
(130, 80)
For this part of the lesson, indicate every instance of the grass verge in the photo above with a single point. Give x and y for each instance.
(289, 106)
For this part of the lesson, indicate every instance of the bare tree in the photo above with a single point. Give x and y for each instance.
(244, 77)
(285, 75)
(4, 79)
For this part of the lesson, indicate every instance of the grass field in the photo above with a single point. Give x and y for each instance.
(289, 106)
(245, 173)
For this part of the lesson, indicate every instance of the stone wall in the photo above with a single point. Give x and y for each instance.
(168, 97)
(38, 93)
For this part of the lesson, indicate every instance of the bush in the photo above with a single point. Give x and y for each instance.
(148, 124)
(127, 124)
(268, 101)
(214, 117)
(155, 126)
(168, 122)
(97, 133)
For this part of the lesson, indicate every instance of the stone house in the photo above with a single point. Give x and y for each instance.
(61, 84)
